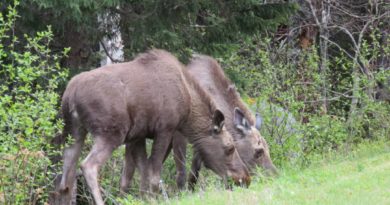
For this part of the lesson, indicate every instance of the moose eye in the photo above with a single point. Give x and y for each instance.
(259, 153)
(229, 150)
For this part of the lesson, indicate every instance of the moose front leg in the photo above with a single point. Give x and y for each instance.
(128, 169)
(155, 161)
(195, 168)
(179, 144)
(141, 159)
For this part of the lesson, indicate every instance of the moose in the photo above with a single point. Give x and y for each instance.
(153, 95)
(240, 123)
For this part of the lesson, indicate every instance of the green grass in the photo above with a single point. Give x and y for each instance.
(361, 176)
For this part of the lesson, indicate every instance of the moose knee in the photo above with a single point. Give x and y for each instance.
(89, 170)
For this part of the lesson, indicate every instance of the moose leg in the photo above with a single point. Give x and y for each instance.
(155, 162)
(179, 155)
(195, 168)
(140, 158)
(100, 152)
(71, 156)
(128, 169)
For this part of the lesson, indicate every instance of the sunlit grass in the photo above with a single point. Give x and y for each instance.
(361, 176)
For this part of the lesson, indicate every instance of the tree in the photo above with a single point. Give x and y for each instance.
(177, 25)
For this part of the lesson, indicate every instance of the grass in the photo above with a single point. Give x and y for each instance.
(361, 176)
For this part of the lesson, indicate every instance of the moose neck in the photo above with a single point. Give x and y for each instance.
(199, 121)
(198, 128)
(210, 76)
(228, 93)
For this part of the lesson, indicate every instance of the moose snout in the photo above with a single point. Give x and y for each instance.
(242, 181)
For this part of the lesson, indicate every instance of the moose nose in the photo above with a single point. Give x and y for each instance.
(258, 153)
(242, 178)
(242, 182)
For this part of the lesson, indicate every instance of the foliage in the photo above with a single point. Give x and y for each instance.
(285, 87)
(204, 26)
(28, 111)
(129, 200)
(176, 25)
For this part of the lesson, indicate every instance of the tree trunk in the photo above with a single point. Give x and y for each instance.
(323, 41)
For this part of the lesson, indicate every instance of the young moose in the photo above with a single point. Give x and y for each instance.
(125, 103)
(240, 123)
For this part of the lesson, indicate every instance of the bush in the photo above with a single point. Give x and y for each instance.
(30, 75)
(307, 112)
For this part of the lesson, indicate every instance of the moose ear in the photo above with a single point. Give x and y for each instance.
(259, 121)
(218, 120)
(240, 121)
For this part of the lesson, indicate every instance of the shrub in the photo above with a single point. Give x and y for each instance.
(307, 112)
(30, 74)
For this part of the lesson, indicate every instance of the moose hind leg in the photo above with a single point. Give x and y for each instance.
(71, 156)
(100, 152)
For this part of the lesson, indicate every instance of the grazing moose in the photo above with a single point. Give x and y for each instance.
(153, 95)
(240, 123)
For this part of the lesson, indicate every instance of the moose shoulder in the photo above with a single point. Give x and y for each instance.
(152, 95)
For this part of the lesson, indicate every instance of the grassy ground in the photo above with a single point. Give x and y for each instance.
(358, 177)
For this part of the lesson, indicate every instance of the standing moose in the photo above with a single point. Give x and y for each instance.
(153, 95)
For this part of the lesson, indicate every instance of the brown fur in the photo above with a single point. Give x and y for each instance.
(125, 103)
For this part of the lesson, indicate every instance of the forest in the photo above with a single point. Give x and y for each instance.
(316, 71)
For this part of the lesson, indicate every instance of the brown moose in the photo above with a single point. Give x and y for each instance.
(152, 95)
(239, 121)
